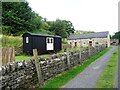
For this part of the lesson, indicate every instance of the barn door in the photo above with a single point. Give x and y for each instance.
(90, 43)
(50, 43)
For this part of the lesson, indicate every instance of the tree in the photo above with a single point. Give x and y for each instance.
(83, 32)
(69, 27)
(116, 36)
(61, 27)
(36, 21)
(18, 17)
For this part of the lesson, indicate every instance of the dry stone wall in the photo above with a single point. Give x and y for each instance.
(22, 75)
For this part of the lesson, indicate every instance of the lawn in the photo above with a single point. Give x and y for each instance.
(23, 57)
(107, 78)
(64, 77)
(26, 57)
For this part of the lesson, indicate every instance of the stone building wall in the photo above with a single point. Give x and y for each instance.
(85, 42)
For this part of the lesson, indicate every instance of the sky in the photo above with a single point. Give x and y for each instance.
(85, 15)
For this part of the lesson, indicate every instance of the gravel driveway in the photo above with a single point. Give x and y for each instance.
(88, 78)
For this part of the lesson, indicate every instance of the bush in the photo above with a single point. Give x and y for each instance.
(10, 41)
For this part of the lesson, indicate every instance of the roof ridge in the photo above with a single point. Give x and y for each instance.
(89, 35)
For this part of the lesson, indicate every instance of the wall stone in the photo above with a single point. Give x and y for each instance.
(22, 75)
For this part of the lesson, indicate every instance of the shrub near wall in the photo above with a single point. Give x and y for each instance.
(10, 41)
(22, 75)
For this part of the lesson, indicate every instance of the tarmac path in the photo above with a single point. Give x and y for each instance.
(88, 78)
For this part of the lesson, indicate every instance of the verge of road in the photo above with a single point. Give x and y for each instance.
(88, 78)
(118, 68)
(66, 76)
(108, 78)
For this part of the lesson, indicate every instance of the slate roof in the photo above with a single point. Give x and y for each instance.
(90, 35)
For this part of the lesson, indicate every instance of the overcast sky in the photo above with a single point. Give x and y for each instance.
(94, 15)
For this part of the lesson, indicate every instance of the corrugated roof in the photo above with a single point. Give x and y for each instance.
(90, 35)
(42, 35)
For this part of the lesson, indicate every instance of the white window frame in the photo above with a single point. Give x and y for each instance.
(27, 39)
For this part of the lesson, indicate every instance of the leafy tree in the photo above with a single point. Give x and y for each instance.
(45, 26)
(17, 16)
(69, 27)
(36, 21)
(116, 36)
(83, 32)
(61, 27)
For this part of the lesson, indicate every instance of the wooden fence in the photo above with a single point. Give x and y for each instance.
(8, 54)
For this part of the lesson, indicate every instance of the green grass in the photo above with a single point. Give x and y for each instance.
(26, 57)
(23, 57)
(11, 41)
(64, 77)
(107, 78)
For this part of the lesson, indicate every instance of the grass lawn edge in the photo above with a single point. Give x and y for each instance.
(108, 77)
(66, 76)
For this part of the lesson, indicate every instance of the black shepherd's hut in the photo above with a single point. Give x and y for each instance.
(43, 43)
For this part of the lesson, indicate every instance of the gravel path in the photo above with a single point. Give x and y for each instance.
(88, 78)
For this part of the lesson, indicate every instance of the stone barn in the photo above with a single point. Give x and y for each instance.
(91, 39)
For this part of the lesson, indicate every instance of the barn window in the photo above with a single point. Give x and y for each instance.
(27, 40)
(90, 41)
(96, 43)
(75, 43)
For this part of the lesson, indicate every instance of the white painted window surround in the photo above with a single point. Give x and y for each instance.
(27, 40)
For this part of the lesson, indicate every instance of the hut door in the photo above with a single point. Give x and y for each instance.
(49, 42)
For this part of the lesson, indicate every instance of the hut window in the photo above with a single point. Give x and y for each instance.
(27, 40)
(49, 40)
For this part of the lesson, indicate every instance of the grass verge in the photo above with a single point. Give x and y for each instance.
(107, 78)
(23, 57)
(60, 80)
(27, 57)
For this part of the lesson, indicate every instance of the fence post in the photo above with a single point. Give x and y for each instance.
(79, 56)
(13, 54)
(68, 59)
(37, 65)
(89, 51)
(98, 49)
